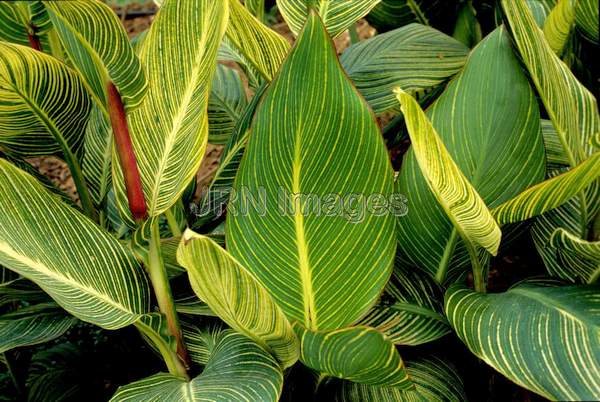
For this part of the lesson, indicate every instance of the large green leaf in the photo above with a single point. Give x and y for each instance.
(411, 311)
(169, 130)
(570, 106)
(236, 296)
(546, 339)
(336, 15)
(549, 194)
(33, 325)
(360, 354)
(97, 44)
(88, 272)
(237, 370)
(415, 58)
(43, 104)
(263, 48)
(490, 130)
(586, 18)
(434, 379)
(324, 151)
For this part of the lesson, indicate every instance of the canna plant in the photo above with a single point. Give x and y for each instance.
(331, 255)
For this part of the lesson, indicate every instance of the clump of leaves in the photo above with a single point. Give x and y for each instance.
(309, 268)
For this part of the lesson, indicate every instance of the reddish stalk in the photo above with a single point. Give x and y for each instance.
(34, 41)
(131, 174)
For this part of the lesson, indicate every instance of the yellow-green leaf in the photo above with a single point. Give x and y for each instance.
(360, 354)
(461, 202)
(558, 25)
(549, 194)
(323, 150)
(336, 15)
(236, 296)
(546, 339)
(97, 44)
(169, 130)
(262, 47)
(570, 106)
(84, 268)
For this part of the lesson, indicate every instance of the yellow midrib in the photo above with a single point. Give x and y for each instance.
(6, 249)
(310, 316)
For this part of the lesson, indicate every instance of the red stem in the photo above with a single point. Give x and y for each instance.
(34, 42)
(131, 174)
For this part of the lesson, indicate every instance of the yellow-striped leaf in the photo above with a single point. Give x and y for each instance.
(390, 14)
(360, 354)
(237, 370)
(97, 44)
(262, 47)
(236, 296)
(558, 25)
(336, 15)
(226, 104)
(435, 381)
(577, 258)
(570, 106)
(33, 325)
(586, 18)
(546, 339)
(410, 311)
(324, 151)
(43, 104)
(85, 270)
(461, 202)
(415, 57)
(490, 131)
(549, 194)
(169, 130)
(97, 155)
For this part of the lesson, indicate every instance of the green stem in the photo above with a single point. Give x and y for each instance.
(354, 38)
(174, 364)
(162, 290)
(478, 277)
(173, 226)
(440, 275)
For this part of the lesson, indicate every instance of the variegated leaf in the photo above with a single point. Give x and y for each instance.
(324, 149)
(435, 381)
(549, 194)
(236, 296)
(43, 104)
(558, 25)
(570, 106)
(411, 311)
(546, 339)
(415, 57)
(336, 15)
(237, 370)
(360, 354)
(33, 325)
(169, 130)
(85, 270)
(97, 44)
(262, 47)
(489, 130)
